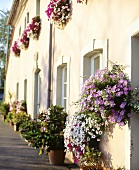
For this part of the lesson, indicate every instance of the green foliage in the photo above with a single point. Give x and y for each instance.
(53, 119)
(9, 116)
(29, 129)
(5, 35)
(135, 100)
(91, 158)
(20, 117)
(47, 132)
(4, 108)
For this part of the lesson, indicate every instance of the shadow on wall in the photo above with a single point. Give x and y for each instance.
(107, 156)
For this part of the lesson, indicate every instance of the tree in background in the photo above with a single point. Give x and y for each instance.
(5, 34)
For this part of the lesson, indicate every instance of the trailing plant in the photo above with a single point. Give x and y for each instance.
(59, 12)
(105, 99)
(24, 40)
(16, 49)
(82, 136)
(34, 28)
(108, 94)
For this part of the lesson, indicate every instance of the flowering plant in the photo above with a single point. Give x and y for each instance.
(108, 93)
(82, 135)
(20, 117)
(33, 29)
(47, 131)
(52, 125)
(16, 49)
(105, 99)
(17, 106)
(24, 40)
(17, 111)
(59, 12)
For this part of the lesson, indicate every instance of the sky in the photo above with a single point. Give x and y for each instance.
(5, 4)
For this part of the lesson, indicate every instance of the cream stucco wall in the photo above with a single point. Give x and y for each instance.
(97, 24)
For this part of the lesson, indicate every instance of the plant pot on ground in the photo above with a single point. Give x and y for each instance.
(19, 118)
(48, 136)
(4, 109)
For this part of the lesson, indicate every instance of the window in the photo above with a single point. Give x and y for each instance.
(20, 31)
(25, 24)
(25, 89)
(17, 91)
(61, 97)
(64, 87)
(38, 7)
(37, 92)
(95, 63)
(92, 62)
(28, 17)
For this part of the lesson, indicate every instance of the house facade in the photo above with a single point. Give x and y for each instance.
(54, 66)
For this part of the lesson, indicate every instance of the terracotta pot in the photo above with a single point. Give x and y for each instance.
(56, 157)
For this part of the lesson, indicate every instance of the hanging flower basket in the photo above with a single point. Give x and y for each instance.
(34, 28)
(24, 41)
(82, 136)
(16, 49)
(108, 94)
(105, 100)
(59, 12)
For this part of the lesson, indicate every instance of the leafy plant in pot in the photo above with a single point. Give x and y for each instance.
(46, 133)
(52, 126)
(19, 118)
(4, 109)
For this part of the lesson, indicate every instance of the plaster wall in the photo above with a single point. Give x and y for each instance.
(97, 21)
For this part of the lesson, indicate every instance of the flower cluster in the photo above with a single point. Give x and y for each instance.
(24, 40)
(105, 99)
(16, 49)
(108, 95)
(47, 132)
(33, 29)
(59, 12)
(82, 133)
(17, 106)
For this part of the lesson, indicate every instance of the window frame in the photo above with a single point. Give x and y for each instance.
(63, 97)
(92, 58)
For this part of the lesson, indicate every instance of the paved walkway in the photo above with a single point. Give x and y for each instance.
(15, 154)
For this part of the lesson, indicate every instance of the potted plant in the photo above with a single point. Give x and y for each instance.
(17, 112)
(4, 109)
(30, 131)
(9, 118)
(52, 124)
(47, 133)
(34, 28)
(59, 12)
(19, 118)
(16, 49)
(24, 40)
(82, 136)
(105, 100)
